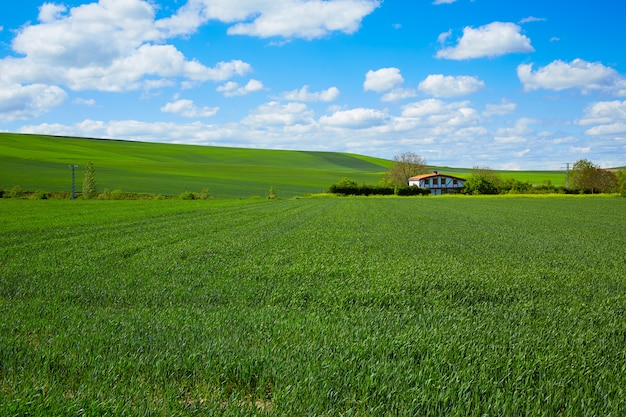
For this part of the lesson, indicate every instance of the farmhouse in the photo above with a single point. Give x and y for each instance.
(438, 183)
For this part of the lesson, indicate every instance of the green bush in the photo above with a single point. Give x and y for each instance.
(272, 194)
(187, 195)
(39, 195)
(16, 192)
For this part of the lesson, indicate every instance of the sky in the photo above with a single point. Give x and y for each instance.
(527, 85)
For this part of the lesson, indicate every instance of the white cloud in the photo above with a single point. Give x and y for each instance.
(444, 1)
(399, 94)
(358, 118)
(604, 112)
(233, 89)
(19, 102)
(504, 107)
(268, 18)
(443, 37)
(559, 75)
(517, 134)
(382, 80)
(494, 39)
(187, 108)
(530, 19)
(438, 85)
(49, 12)
(580, 149)
(112, 45)
(607, 130)
(85, 102)
(304, 94)
(277, 114)
(437, 113)
(609, 116)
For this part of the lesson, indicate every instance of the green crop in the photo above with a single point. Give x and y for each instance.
(325, 306)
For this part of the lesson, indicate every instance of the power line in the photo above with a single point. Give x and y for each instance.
(567, 174)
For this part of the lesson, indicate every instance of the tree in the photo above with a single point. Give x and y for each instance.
(405, 166)
(272, 194)
(482, 180)
(90, 187)
(621, 182)
(589, 177)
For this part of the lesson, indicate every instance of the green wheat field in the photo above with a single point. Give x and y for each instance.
(42, 163)
(426, 306)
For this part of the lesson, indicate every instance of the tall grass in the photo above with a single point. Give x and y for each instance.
(356, 306)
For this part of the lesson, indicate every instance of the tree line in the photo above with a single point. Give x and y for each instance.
(585, 177)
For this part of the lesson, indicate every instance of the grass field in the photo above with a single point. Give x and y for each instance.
(41, 163)
(37, 162)
(464, 306)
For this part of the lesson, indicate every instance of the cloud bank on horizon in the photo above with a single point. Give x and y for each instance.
(461, 82)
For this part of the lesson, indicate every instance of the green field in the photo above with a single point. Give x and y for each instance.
(41, 163)
(36, 162)
(464, 306)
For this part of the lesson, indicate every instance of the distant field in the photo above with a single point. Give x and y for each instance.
(36, 162)
(42, 163)
(460, 306)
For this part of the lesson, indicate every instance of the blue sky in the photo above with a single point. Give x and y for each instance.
(508, 85)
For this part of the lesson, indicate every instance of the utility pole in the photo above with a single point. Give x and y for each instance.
(73, 181)
(567, 174)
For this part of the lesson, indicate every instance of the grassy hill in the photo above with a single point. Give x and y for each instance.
(38, 162)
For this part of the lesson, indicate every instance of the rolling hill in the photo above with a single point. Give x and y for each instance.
(40, 162)
(37, 162)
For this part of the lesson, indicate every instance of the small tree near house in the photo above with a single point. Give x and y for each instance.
(405, 166)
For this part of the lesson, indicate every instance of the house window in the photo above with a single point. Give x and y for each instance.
(455, 182)
(426, 182)
(435, 181)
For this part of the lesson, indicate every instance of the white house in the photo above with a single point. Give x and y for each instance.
(438, 183)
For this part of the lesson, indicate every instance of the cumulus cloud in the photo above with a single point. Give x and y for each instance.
(494, 39)
(233, 89)
(304, 94)
(19, 102)
(187, 108)
(359, 118)
(581, 74)
(268, 18)
(604, 112)
(50, 11)
(277, 114)
(609, 116)
(382, 80)
(435, 112)
(438, 85)
(112, 45)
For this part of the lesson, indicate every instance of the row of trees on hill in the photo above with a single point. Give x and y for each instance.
(585, 177)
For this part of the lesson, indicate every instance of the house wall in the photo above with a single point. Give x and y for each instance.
(443, 184)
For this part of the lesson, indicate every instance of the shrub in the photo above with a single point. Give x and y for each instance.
(186, 195)
(272, 194)
(39, 195)
(16, 192)
(90, 187)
